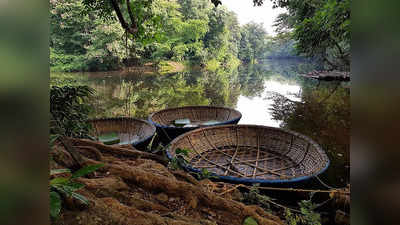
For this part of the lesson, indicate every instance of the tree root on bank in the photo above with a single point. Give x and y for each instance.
(118, 151)
(132, 190)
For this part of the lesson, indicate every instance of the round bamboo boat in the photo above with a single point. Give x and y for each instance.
(250, 154)
(135, 132)
(163, 120)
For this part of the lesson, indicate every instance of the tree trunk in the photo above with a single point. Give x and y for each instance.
(121, 19)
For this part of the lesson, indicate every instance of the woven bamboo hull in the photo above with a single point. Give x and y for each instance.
(252, 154)
(142, 130)
(162, 119)
(167, 134)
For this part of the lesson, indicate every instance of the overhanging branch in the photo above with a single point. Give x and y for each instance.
(121, 18)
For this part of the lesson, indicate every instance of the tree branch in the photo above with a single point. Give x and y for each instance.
(133, 20)
(121, 17)
(333, 65)
(343, 55)
(339, 48)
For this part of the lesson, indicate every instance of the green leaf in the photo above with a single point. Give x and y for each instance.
(64, 189)
(59, 171)
(75, 186)
(86, 170)
(184, 152)
(250, 221)
(55, 204)
(53, 138)
(81, 198)
(59, 181)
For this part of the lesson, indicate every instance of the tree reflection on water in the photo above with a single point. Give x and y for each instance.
(319, 111)
(324, 115)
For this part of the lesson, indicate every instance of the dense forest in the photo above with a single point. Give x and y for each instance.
(228, 64)
(82, 39)
(88, 35)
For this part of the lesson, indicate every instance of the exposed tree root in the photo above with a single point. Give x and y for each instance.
(118, 151)
(193, 195)
(181, 175)
(90, 150)
(129, 190)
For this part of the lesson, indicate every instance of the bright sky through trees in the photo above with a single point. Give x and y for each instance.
(260, 14)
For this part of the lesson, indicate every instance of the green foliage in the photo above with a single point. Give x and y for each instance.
(55, 204)
(81, 41)
(253, 42)
(323, 114)
(308, 215)
(69, 112)
(282, 46)
(178, 161)
(250, 221)
(67, 187)
(52, 139)
(205, 174)
(320, 27)
(291, 219)
(86, 170)
(253, 197)
(212, 65)
(86, 35)
(61, 62)
(182, 152)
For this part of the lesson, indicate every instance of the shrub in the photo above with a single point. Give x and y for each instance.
(66, 186)
(69, 113)
(67, 63)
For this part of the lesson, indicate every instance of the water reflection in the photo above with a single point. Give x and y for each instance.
(137, 94)
(254, 108)
(270, 94)
(324, 115)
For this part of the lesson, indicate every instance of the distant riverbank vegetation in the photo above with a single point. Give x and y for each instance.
(191, 31)
(104, 35)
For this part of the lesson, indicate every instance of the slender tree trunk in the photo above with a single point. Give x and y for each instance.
(121, 18)
(133, 20)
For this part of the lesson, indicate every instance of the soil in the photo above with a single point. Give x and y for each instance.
(138, 188)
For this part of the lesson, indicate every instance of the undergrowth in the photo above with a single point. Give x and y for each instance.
(63, 187)
(69, 111)
(179, 161)
(308, 216)
(253, 197)
(69, 114)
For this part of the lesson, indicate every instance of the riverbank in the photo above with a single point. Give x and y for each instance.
(136, 187)
(161, 67)
(170, 67)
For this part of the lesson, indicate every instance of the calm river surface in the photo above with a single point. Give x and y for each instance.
(271, 93)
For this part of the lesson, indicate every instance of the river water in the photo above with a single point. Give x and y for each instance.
(271, 93)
